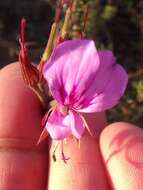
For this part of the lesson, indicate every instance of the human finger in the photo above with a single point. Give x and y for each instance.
(84, 169)
(23, 164)
(122, 150)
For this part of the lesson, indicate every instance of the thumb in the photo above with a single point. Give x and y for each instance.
(23, 165)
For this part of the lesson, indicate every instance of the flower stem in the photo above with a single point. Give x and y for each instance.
(85, 19)
(53, 34)
(66, 25)
(49, 46)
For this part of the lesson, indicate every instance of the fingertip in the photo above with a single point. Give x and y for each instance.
(109, 133)
(121, 146)
(19, 107)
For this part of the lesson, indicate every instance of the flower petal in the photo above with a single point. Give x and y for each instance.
(111, 94)
(77, 124)
(84, 79)
(97, 82)
(70, 62)
(58, 126)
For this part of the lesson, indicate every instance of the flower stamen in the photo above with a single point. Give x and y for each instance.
(86, 125)
(53, 155)
(64, 158)
(44, 133)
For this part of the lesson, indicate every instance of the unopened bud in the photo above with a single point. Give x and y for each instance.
(29, 71)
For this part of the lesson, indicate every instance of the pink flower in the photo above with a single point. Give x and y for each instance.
(81, 80)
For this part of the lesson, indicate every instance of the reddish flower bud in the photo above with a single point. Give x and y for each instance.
(29, 71)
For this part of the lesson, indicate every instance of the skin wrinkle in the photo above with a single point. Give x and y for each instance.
(7, 143)
(23, 151)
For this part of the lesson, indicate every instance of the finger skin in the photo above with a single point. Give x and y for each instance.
(84, 169)
(23, 165)
(122, 150)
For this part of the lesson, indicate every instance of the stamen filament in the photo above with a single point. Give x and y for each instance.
(55, 148)
(64, 158)
(44, 133)
(86, 125)
(43, 136)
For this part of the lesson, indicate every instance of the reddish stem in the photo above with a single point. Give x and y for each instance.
(23, 29)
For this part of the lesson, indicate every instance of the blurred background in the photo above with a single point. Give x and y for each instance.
(113, 24)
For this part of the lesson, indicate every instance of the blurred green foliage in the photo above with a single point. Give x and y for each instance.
(113, 24)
